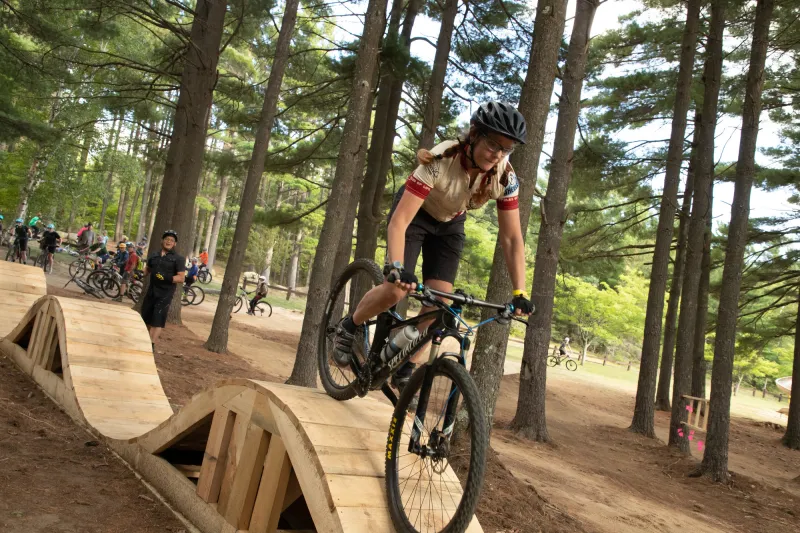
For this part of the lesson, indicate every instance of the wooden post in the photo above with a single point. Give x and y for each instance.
(210, 480)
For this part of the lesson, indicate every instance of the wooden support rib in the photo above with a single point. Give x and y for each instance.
(215, 456)
(272, 491)
(246, 478)
(238, 436)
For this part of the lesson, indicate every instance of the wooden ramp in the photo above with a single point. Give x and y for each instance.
(20, 287)
(245, 456)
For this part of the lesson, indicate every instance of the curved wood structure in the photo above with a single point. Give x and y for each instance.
(245, 456)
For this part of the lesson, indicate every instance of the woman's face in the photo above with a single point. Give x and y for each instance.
(490, 148)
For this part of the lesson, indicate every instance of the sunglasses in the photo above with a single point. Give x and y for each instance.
(494, 146)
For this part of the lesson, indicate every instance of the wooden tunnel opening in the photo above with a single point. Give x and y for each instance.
(186, 454)
(23, 338)
(297, 517)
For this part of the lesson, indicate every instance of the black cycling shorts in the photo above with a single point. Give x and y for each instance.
(23, 245)
(51, 249)
(155, 309)
(441, 244)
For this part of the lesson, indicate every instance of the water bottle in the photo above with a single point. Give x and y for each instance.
(407, 335)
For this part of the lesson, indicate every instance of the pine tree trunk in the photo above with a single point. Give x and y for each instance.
(701, 204)
(644, 410)
(699, 346)
(209, 225)
(529, 420)
(715, 456)
(491, 344)
(433, 102)
(663, 391)
(344, 186)
(187, 145)
(221, 200)
(132, 213)
(293, 270)
(148, 177)
(791, 438)
(120, 221)
(111, 154)
(200, 233)
(370, 213)
(153, 209)
(271, 250)
(218, 338)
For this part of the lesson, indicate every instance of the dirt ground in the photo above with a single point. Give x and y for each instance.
(594, 477)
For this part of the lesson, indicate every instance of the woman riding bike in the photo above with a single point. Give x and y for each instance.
(429, 213)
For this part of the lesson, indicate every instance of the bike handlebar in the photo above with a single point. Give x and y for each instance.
(424, 293)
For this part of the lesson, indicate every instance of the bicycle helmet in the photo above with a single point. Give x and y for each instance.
(170, 233)
(1, 217)
(18, 221)
(129, 245)
(194, 260)
(501, 118)
(51, 226)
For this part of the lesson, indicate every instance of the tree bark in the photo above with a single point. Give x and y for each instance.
(221, 200)
(148, 177)
(671, 322)
(492, 341)
(271, 250)
(209, 224)
(701, 203)
(345, 183)
(699, 345)
(433, 103)
(529, 420)
(379, 158)
(218, 338)
(715, 456)
(187, 146)
(791, 438)
(200, 233)
(293, 270)
(120, 221)
(644, 409)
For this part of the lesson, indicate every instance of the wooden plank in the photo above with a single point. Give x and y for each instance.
(190, 471)
(366, 519)
(346, 461)
(307, 408)
(273, 489)
(92, 382)
(215, 455)
(246, 479)
(103, 409)
(126, 362)
(352, 438)
(238, 436)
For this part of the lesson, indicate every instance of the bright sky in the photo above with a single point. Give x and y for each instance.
(763, 203)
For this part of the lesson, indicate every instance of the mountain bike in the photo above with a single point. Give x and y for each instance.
(83, 264)
(243, 302)
(556, 358)
(420, 447)
(14, 253)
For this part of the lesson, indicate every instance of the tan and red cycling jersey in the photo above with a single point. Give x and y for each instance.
(445, 185)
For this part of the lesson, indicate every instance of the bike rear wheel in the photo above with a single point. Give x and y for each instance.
(264, 308)
(552, 360)
(572, 365)
(204, 276)
(110, 286)
(135, 290)
(437, 486)
(199, 295)
(337, 381)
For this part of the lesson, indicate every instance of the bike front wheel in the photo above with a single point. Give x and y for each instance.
(435, 483)
(571, 365)
(77, 268)
(338, 381)
(204, 276)
(238, 305)
(188, 296)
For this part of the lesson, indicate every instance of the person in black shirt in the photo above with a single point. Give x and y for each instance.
(21, 235)
(166, 269)
(50, 241)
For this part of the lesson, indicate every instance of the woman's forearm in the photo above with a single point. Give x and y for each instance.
(396, 239)
(514, 254)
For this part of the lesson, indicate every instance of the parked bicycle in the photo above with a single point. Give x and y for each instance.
(14, 254)
(192, 295)
(85, 263)
(243, 298)
(423, 460)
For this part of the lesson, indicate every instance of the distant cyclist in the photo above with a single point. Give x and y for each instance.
(261, 293)
(191, 274)
(22, 234)
(50, 241)
(564, 348)
(34, 224)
